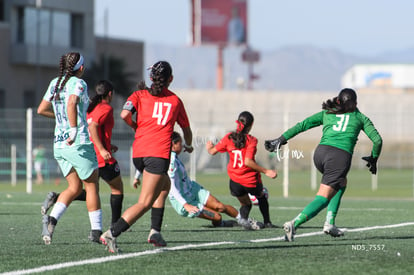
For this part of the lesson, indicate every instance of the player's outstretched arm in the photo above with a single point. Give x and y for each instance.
(210, 148)
(253, 164)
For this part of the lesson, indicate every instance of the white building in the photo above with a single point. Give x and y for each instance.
(371, 76)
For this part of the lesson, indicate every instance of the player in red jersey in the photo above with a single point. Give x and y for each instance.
(100, 116)
(156, 110)
(243, 170)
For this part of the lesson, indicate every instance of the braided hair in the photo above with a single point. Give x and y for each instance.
(102, 90)
(345, 102)
(160, 75)
(66, 65)
(244, 123)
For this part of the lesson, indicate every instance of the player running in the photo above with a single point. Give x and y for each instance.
(342, 123)
(188, 198)
(66, 100)
(156, 110)
(101, 122)
(243, 170)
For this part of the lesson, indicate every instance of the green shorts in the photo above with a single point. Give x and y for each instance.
(81, 157)
(198, 198)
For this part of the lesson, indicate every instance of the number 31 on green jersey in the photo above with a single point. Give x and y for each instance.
(342, 123)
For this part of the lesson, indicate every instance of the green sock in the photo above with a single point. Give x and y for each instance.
(311, 210)
(333, 206)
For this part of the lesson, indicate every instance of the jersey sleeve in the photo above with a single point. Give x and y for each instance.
(182, 119)
(251, 148)
(372, 133)
(49, 91)
(221, 146)
(174, 178)
(308, 123)
(80, 88)
(132, 103)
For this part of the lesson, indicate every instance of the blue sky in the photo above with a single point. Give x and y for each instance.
(361, 27)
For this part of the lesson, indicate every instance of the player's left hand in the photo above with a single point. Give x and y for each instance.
(73, 131)
(371, 164)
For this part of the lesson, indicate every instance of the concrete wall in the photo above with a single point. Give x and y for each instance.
(213, 114)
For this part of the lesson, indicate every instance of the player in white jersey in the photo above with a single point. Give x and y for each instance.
(188, 198)
(66, 100)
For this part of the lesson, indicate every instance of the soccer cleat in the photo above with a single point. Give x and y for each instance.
(251, 224)
(255, 224)
(48, 202)
(47, 230)
(156, 239)
(289, 228)
(245, 224)
(94, 236)
(331, 229)
(109, 241)
(269, 225)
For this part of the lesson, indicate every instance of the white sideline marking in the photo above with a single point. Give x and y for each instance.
(181, 247)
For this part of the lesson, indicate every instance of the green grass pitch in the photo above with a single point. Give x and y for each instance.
(379, 237)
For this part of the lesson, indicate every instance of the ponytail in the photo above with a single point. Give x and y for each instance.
(244, 123)
(102, 90)
(160, 75)
(66, 71)
(345, 102)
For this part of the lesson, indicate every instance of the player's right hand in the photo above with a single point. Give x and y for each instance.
(271, 173)
(191, 208)
(274, 144)
(371, 164)
(136, 183)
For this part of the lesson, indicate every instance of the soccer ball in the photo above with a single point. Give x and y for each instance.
(253, 198)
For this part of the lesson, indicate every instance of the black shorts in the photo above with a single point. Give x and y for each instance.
(109, 171)
(152, 165)
(238, 190)
(333, 163)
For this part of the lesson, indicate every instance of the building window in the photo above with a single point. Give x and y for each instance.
(29, 99)
(43, 27)
(76, 33)
(20, 25)
(2, 99)
(60, 29)
(2, 10)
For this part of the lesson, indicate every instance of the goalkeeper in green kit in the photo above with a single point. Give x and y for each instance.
(342, 123)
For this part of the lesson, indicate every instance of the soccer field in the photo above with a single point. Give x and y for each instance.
(378, 240)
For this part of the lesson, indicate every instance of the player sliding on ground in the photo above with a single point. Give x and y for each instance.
(342, 123)
(189, 198)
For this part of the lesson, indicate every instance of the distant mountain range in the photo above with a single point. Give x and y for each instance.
(293, 68)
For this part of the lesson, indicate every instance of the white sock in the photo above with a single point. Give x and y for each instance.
(238, 217)
(95, 218)
(58, 210)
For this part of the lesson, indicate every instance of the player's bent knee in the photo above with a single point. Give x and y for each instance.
(221, 208)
